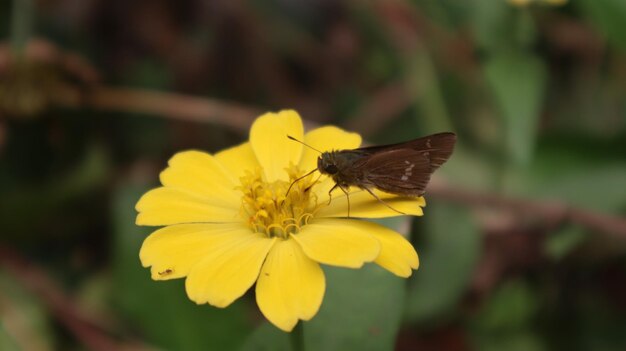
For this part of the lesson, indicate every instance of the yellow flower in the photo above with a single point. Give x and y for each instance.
(229, 222)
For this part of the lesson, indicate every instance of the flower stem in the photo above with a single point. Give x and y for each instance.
(297, 337)
(22, 22)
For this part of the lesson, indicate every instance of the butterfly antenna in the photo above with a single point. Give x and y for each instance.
(297, 180)
(309, 146)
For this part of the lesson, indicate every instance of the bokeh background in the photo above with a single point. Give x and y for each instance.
(523, 243)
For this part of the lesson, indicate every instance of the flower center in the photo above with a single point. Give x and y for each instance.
(275, 209)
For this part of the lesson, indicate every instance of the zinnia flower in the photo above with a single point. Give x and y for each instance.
(229, 222)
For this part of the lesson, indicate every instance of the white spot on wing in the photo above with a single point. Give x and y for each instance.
(408, 171)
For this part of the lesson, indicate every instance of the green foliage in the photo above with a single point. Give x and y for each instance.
(6, 340)
(561, 243)
(608, 17)
(511, 307)
(491, 22)
(507, 318)
(267, 337)
(349, 319)
(581, 173)
(518, 82)
(448, 252)
(423, 82)
(26, 208)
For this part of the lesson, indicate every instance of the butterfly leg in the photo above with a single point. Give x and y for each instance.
(330, 195)
(347, 198)
(383, 202)
(315, 182)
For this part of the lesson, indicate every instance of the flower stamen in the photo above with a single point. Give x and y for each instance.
(278, 208)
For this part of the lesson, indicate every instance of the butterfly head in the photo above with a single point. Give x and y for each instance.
(327, 164)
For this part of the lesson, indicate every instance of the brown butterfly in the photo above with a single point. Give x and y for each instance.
(402, 169)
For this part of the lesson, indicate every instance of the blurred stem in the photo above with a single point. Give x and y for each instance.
(173, 106)
(525, 38)
(501, 172)
(22, 22)
(424, 84)
(549, 212)
(525, 29)
(297, 337)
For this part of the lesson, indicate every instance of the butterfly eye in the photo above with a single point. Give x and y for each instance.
(331, 169)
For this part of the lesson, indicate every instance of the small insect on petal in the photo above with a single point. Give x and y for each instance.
(166, 272)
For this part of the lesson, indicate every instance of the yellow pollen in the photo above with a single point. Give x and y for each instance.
(267, 207)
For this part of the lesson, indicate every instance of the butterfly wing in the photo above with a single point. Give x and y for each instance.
(399, 171)
(402, 169)
(436, 147)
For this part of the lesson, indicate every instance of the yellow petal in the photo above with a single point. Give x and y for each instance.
(165, 206)
(364, 205)
(229, 269)
(397, 255)
(290, 287)
(326, 139)
(237, 160)
(273, 150)
(338, 242)
(172, 251)
(199, 173)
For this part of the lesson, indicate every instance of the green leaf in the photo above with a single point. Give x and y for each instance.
(362, 309)
(7, 341)
(581, 173)
(558, 245)
(161, 309)
(506, 320)
(424, 84)
(600, 188)
(448, 255)
(512, 307)
(518, 82)
(580, 181)
(268, 338)
(25, 208)
(491, 24)
(500, 27)
(469, 169)
(608, 16)
(519, 341)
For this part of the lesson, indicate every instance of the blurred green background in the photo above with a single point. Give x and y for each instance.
(523, 243)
